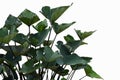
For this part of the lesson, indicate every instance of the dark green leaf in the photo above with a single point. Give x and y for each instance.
(12, 22)
(50, 55)
(38, 38)
(73, 59)
(41, 26)
(11, 59)
(73, 45)
(40, 55)
(59, 28)
(78, 66)
(46, 11)
(89, 72)
(1, 68)
(28, 17)
(17, 50)
(83, 35)
(69, 38)
(64, 50)
(20, 38)
(30, 66)
(47, 43)
(3, 32)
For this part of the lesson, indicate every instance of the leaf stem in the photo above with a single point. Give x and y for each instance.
(82, 77)
(53, 40)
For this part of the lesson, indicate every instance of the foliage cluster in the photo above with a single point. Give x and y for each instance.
(42, 61)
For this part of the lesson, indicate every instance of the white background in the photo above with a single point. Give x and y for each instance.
(100, 15)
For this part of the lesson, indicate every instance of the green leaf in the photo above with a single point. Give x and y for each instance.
(12, 22)
(60, 28)
(40, 55)
(5, 37)
(17, 50)
(38, 38)
(11, 59)
(46, 11)
(73, 59)
(83, 35)
(89, 72)
(57, 12)
(81, 66)
(47, 43)
(53, 14)
(64, 50)
(30, 66)
(20, 38)
(69, 38)
(28, 17)
(73, 45)
(41, 26)
(3, 32)
(1, 68)
(78, 66)
(50, 55)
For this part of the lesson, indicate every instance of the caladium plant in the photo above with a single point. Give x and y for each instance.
(32, 56)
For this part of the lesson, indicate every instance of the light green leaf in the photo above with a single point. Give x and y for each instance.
(59, 28)
(83, 35)
(89, 72)
(41, 26)
(5, 37)
(54, 13)
(69, 38)
(28, 17)
(57, 12)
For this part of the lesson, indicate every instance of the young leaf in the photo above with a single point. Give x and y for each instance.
(89, 72)
(69, 38)
(83, 35)
(41, 26)
(59, 28)
(28, 17)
